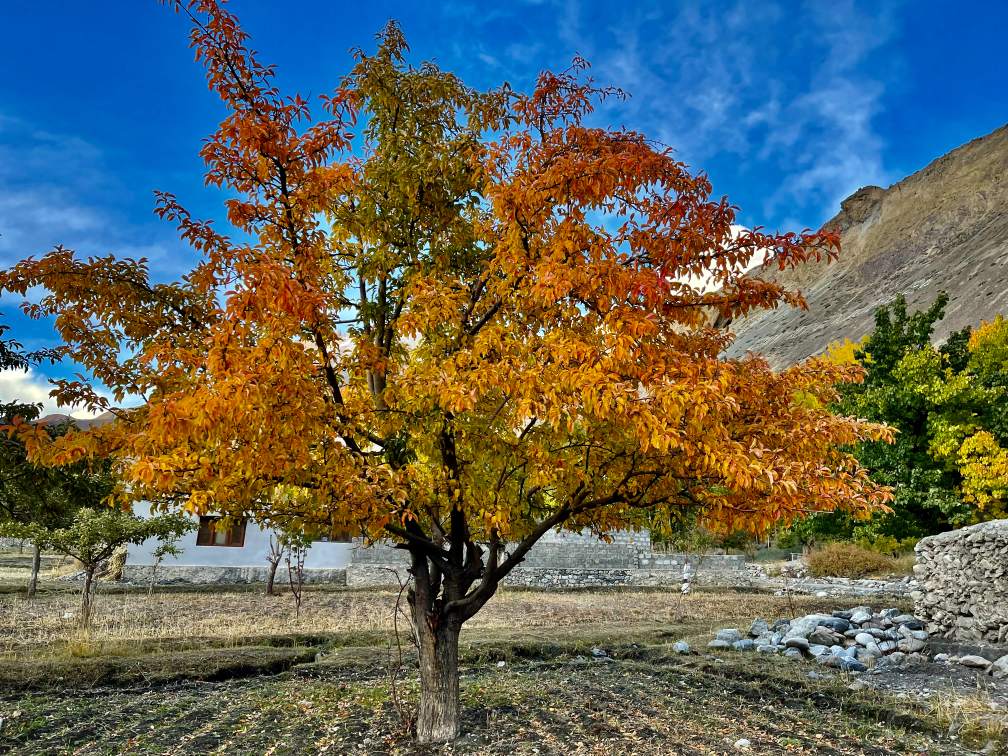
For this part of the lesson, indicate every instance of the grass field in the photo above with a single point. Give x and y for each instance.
(228, 670)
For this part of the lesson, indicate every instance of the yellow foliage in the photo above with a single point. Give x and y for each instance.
(984, 467)
(843, 354)
(988, 346)
(432, 338)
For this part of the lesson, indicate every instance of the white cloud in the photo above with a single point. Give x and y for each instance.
(32, 387)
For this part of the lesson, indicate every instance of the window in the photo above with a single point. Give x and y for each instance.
(211, 535)
(334, 536)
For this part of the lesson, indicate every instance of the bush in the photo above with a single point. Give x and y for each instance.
(889, 545)
(848, 560)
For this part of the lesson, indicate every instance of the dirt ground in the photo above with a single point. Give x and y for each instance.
(656, 705)
(228, 670)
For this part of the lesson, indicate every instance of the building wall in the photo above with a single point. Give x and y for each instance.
(253, 553)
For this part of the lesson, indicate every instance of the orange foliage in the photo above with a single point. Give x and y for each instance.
(474, 328)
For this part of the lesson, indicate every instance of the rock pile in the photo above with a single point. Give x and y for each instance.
(962, 578)
(848, 640)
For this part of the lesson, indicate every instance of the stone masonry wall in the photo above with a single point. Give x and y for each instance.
(569, 560)
(962, 578)
(213, 575)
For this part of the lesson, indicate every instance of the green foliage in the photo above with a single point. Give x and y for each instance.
(888, 545)
(948, 465)
(95, 533)
(33, 494)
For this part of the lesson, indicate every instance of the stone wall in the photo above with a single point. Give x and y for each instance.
(210, 575)
(569, 560)
(365, 575)
(962, 581)
(552, 577)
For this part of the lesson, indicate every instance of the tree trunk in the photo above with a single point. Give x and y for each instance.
(271, 577)
(36, 566)
(439, 717)
(85, 618)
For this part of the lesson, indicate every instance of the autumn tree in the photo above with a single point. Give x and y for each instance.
(472, 328)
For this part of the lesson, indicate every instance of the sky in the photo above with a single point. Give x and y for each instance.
(788, 106)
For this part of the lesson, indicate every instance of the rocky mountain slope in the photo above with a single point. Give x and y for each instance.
(82, 423)
(945, 228)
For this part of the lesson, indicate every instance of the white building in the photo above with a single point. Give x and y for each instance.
(239, 554)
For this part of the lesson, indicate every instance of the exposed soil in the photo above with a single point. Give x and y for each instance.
(642, 702)
(528, 684)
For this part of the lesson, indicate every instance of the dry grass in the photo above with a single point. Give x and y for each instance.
(969, 717)
(231, 616)
(849, 561)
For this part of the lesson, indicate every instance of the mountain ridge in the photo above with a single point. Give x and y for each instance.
(943, 228)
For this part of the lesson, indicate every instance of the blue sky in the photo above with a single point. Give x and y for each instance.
(789, 107)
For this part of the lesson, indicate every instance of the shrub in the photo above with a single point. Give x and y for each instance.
(889, 545)
(848, 560)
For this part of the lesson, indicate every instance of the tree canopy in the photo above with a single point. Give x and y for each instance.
(462, 319)
(948, 466)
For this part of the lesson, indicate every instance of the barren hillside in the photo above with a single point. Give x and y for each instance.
(945, 228)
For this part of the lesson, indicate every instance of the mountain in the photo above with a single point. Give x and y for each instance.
(945, 228)
(82, 423)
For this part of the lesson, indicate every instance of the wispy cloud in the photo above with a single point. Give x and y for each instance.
(782, 96)
(58, 189)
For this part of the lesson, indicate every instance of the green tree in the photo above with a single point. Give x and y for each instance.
(31, 493)
(94, 534)
(948, 465)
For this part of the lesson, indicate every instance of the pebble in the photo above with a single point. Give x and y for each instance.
(793, 653)
(999, 669)
(680, 647)
(910, 645)
(741, 743)
(814, 675)
(729, 635)
(599, 653)
(501, 664)
(719, 645)
(836, 624)
(823, 636)
(746, 644)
